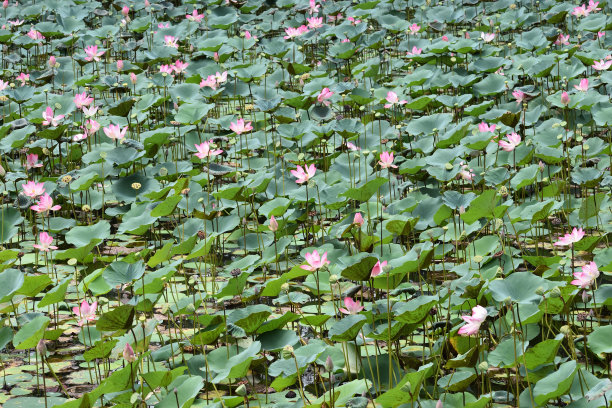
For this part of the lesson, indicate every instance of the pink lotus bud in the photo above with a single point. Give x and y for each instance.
(273, 224)
(125, 11)
(147, 4)
(329, 364)
(133, 78)
(565, 99)
(5, 4)
(358, 219)
(52, 61)
(128, 353)
(119, 65)
(216, 57)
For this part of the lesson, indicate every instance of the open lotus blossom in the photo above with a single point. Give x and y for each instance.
(358, 219)
(352, 306)
(583, 86)
(519, 96)
(92, 53)
(248, 35)
(346, 40)
(205, 151)
(80, 136)
(85, 312)
(487, 37)
(115, 132)
(82, 99)
(180, 66)
(32, 161)
(479, 314)
(587, 276)
(3, 85)
(315, 22)
(45, 204)
(23, 78)
(89, 112)
(354, 20)
(221, 77)
(466, 173)
(415, 51)
(16, 23)
(513, 140)
(210, 82)
(240, 126)
(313, 7)
(273, 226)
(562, 40)
(593, 6)
(352, 146)
(33, 189)
(333, 18)
(295, 32)
(166, 69)
(571, 238)
(35, 35)
(304, 174)
(378, 268)
(484, 127)
(324, 96)
(163, 25)
(580, 11)
(128, 353)
(92, 126)
(171, 41)
(393, 99)
(386, 160)
(602, 65)
(315, 261)
(565, 99)
(414, 28)
(45, 242)
(49, 119)
(195, 16)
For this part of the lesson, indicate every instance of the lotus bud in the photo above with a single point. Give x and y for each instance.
(273, 224)
(119, 65)
(358, 219)
(41, 348)
(329, 364)
(128, 353)
(439, 404)
(52, 61)
(125, 11)
(565, 99)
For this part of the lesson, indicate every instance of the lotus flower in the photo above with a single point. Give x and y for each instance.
(82, 99)
(393, 99)
(273, 224)
(92, 126)
(23, 78)
(386, 160)
(358, 219)
(195, 16)
(221, 77)
(513, 140)
(49, 119)
(569, 239)
(119, 65)
(3, 85)
(133, 78)
(315, 261)
(583, 86)
(479, 314)
(240, 126)
(92, 53)
(352, 147)
(295, 32)
(171, 41)
(519, 96)
(324, 96)
(304, 174)
(487, 37)
(180, 67)
(115, 132)
(565, 99)
(32, 161)
(204, 150)
(45, 204)
(35, 35)
(89, 112)
(414, 28)
(313, 7)
(587, 277)
(128, 353)
(85, 312)
(602, 65)
(415, 51)
(562, 40)
(378, 268)
(484, 127)
(45, 242)
(166, 69)
(580, 11)
(210, 81)
(352, 307)
(315, 22)
(593, 6)
(33, 189)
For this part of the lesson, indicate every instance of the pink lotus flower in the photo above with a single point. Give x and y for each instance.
(393, 99)
(211, 82)
(5, 4)
(273, 224)
(484, 127)
(378, 268)
(313, 7)
(358, 219)
(49, 119)
(315, 22)
(32, 161)
(487, 37)
(240, 126)
(600, 34)
(562, 40)
(415, 51)
(583, 86)
(133, 78)
(33, 189)
(333, 18)
(315, 261)
(180, 67)
(92, 126)
(171, 41)
(204, 150)
(414, 28)
(248, 35)
(354, 20)
(82, 99)
(304, 174)
(519, 96)
(569, 239)
(221, 77)
(92, 53)
(163, 25)
(352, 307)
(580, 11)
(565, 99)
(465, 173)
(128, 353)
(444, 38)
(35, 35)
(513, 140)
(479, 314)
(386, 160)
(23, 78)
(119, 65)
(45, 204)
(587, 277)
(85, 312)
(16, 23)
(602, 65)
(295, 32)
(3, 85)
(80, 136)
(89, 112)
(125, 10)
(45, 242)
(352, 147)
(324, 96)
(115, 132)
(593, 6)
(195, 16)
(166, 69)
